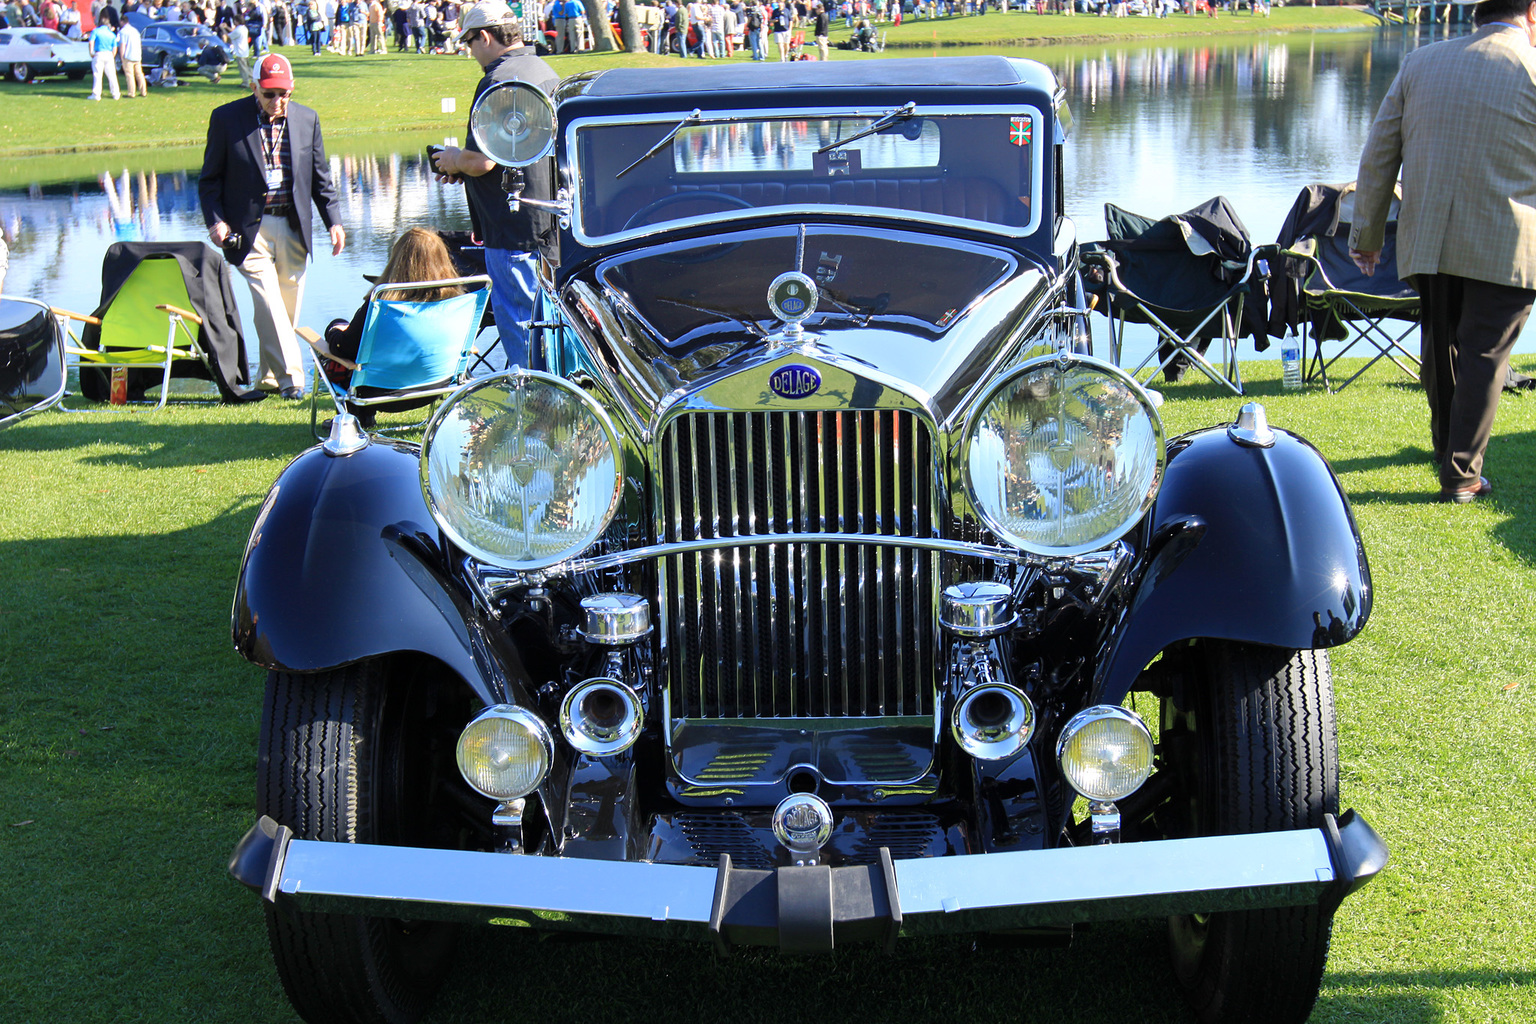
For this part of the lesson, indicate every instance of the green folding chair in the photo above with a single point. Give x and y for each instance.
(138, 330)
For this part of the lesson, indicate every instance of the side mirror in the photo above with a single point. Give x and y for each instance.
(32, 369)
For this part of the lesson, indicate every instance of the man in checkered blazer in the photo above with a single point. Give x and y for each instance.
(1460, 122)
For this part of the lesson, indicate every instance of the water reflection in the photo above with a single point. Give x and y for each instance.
(58, 233)
(1160, 127)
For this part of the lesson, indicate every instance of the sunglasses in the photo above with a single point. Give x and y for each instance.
(275, 94)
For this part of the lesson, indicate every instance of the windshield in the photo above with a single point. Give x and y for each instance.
(974, 167)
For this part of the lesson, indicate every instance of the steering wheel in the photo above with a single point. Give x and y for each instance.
(723, 198)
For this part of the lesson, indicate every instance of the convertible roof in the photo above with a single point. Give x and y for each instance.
(915, 73)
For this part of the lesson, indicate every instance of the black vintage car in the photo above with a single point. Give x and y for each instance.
(821, 589)
(182, 46)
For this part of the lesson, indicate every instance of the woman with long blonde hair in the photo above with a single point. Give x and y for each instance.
(417, 255)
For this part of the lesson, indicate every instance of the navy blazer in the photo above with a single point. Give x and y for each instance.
(233, 184)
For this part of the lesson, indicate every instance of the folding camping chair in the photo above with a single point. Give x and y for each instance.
(411, 353)
(1327, 293)
(139, 328)
(32, 363)
(166, 311)
(1187, 276)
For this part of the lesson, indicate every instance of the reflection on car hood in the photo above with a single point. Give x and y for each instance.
(923, 309)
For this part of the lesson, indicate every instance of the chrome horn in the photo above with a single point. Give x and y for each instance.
(992, 721)
(601, 717)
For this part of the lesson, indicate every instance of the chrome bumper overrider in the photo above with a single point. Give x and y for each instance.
(813, 908)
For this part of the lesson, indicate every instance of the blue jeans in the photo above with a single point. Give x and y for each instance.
(514, 280)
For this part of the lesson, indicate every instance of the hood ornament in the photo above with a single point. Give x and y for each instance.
(792, 296)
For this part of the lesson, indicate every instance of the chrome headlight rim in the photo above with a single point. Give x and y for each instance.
(1066, 361)
(478, 552)
(1099, 713)
(536, 728)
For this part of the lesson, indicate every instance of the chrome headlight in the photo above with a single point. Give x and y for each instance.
(505, 752)
(1105, 752)
(1064, 456)
(522, 470)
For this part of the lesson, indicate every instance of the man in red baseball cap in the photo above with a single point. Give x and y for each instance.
(263, 166)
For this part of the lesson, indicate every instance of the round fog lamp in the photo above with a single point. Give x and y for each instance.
(1105, 752)
(505, 752)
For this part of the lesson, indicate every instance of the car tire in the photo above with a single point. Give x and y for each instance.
(166, 64)
(21, 73)
(343, 756)
(1254, 748)
(76, 76)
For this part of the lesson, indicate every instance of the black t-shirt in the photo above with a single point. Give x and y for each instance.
(495, 225)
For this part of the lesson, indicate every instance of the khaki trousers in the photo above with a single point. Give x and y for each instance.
(275, 271)
(133, 75)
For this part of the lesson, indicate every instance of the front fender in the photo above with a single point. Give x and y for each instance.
(343, 564)
(1249, 544)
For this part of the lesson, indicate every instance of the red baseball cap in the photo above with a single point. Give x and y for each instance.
(274, 72)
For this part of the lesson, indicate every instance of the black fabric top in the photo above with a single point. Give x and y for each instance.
(208, 286)
(915, 72)
(1322, 214)
(1182, 265)
(495, 225)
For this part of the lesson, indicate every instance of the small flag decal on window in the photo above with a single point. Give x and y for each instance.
(1019, 131)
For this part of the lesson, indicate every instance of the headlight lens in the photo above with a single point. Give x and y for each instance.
(505, 752)
(522, 469)
(1105, 752)
(1065, 455)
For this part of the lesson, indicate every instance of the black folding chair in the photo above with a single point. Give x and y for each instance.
(1189, 277)
(1332, 299)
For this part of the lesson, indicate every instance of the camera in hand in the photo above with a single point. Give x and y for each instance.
(232, 241)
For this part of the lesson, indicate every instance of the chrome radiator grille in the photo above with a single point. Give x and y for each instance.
(798, 630)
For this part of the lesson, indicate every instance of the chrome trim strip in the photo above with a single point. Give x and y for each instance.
(941, 894)
(575, 171)
(499, 580)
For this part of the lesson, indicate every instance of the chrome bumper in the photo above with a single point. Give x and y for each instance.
(814, 908)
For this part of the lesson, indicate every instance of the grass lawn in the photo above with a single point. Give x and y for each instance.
(128, 732)
(362, 97)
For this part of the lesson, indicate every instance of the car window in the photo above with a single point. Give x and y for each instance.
(979, 166)
(44, 38)
(152, 33)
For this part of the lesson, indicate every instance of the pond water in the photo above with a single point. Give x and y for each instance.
(1160, 127)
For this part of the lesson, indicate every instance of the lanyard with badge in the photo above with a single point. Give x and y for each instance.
(272, 154)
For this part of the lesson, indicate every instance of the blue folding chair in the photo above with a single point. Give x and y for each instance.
(411, 353)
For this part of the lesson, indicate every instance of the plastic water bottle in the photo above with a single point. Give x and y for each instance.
(1290, 360)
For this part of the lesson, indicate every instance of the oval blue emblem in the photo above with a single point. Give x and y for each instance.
(795, 381)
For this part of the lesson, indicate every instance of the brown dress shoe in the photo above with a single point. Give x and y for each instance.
(1467, 494)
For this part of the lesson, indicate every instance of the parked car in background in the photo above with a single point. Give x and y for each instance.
(28, 53)
(822, 588)
(182, 46)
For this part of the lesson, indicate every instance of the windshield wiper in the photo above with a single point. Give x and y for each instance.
(694, 117)
(901, 113)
